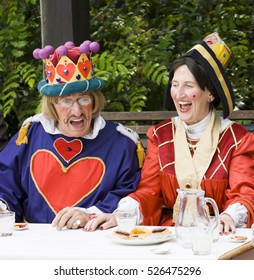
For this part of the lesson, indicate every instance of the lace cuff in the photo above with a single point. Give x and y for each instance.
(239, 214)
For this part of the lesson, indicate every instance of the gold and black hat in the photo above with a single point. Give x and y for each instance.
(214, 56)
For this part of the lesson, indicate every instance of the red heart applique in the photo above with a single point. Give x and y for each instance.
(66, 71)
(50, 72)
(65, 186)
(68, 150)
(84, 67)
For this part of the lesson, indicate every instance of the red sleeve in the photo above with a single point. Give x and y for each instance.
(148, 193)
(241, 176)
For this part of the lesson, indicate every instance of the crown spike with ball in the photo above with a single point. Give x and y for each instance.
(68, 63)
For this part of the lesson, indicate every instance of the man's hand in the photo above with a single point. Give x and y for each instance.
(70, 217)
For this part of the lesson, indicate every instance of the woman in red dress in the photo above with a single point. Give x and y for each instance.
(198, 148)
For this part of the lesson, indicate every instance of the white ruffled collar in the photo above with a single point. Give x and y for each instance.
(195, 131)
(49, 125)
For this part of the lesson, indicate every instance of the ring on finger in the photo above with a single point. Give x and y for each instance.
(77, 222)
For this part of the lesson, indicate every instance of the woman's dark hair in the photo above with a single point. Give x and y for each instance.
(200, 75)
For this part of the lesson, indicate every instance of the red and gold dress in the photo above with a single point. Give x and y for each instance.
(229, 178)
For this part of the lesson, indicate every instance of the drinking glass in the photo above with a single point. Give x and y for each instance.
(126, 219)
(7, 220)
(201, 239)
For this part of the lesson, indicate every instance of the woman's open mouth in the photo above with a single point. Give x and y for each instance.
(185, 106)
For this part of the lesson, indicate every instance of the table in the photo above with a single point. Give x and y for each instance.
(44, 242)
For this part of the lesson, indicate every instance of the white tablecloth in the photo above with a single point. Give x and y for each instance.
(42, 241)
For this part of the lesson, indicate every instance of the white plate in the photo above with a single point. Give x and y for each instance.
(149, 240)
(20, 226)
(233, 238)
(145, 241)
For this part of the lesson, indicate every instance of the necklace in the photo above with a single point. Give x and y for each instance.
(191, 146)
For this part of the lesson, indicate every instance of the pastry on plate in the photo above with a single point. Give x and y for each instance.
(20, 226)
(161, 231)
(142, 233)
(122, 234)
(238, 237)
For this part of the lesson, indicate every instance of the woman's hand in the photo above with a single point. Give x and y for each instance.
(226, 224)
(102, 220)
(70, 217)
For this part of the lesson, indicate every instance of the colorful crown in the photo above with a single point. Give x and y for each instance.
(68, 69)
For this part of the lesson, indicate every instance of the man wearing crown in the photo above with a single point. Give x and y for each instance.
(67, 163)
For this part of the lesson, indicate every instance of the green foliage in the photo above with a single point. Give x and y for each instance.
(18, 75)
(139, 40)
(133, 56)
(153, 33)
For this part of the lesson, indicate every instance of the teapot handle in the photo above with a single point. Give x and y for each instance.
(216, 211)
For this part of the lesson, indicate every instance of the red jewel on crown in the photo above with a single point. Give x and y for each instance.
(68, 63)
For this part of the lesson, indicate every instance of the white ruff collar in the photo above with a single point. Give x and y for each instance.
(195, 131)
(50, 126)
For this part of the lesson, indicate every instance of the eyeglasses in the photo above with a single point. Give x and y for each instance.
(68, 102)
